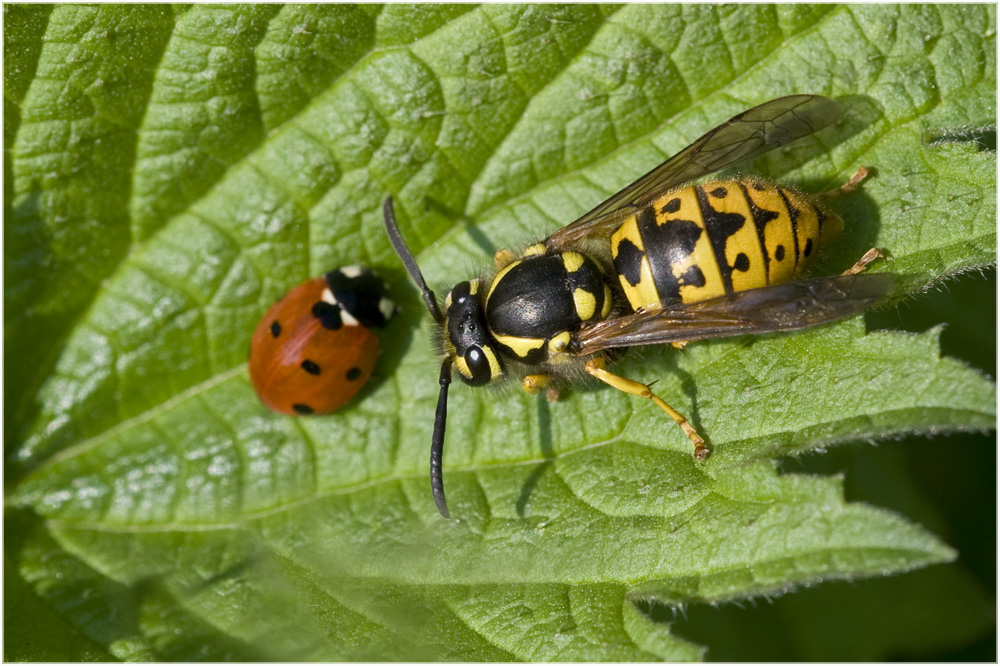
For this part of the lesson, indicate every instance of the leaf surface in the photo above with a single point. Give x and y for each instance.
(172, 171)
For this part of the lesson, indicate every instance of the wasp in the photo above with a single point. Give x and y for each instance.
(662, 261)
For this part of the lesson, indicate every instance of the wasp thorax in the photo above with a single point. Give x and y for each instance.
(465, 326)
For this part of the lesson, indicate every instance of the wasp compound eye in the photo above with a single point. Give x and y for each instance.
(479, 366)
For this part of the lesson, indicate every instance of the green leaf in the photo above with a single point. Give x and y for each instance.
(33, 631)
(172, 171)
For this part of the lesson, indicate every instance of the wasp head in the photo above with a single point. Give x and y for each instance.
(467, 338)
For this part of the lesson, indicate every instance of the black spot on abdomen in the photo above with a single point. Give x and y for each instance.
(668, 245)
(302, 409)
(671, 206)
(793, 215)
(761, 218)
(692, 277)
(720, 226)
(628, 261)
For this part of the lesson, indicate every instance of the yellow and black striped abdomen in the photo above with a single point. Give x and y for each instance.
(703, 241)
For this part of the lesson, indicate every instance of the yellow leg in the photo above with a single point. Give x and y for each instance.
(862, 263)
(502, 258)
(849, 186)
(534, 384)
(595, 367)
(872, 254)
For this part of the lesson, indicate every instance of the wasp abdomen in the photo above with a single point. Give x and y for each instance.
(704, 241)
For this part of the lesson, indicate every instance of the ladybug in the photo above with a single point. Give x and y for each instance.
(315, 348)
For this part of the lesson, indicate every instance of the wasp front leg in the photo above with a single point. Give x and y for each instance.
(502, 258)
(534, 384)
(595, 367)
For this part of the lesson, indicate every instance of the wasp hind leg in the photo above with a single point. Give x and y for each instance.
(852, 184)
(849, 186)
(862, 263)
(595, 367)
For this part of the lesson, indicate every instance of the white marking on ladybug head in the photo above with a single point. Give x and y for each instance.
(387, 308)
(348, 318)
(328, 297)
(351, 271)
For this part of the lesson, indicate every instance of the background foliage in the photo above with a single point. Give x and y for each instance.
(170, 171)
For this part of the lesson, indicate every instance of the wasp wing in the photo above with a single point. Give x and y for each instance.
(784, 307)
(749, 134)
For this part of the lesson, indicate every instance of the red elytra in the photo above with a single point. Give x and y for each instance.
(309, 355)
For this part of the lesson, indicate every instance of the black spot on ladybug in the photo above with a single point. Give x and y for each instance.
(353, 374)
(671, 206)
(742, 263)
(275, 328)
(809, 247)
(328, 315)
(719, 193)
(310, 367)
(302, 409)
(779, 253)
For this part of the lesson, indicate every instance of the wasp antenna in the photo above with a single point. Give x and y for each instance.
(398, 244)
(437, 442)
